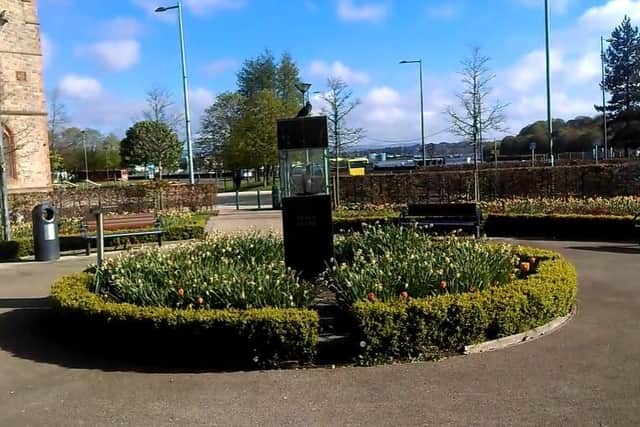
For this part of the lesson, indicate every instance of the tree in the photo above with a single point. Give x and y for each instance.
(217, 123)
(160, 108)
(253, 138)
(58, 117)
(258, 74)
(151, 142)
(340, 105)
(476, 117)
(622, 81)
(288, 75)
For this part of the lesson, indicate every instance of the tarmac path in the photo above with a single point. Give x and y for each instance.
(585, 374)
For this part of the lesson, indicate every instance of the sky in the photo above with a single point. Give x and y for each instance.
(103, 56)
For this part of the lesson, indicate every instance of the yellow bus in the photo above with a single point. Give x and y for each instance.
(352, 167)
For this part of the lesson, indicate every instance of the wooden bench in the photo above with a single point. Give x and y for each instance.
(447, 216)
(143, 224)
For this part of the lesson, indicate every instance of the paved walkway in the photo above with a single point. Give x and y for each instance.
(585, 374)
(230, 220)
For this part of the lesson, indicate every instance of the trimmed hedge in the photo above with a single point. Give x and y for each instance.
(19, 248)
(561, 227)
(256, 338)
(432, 327)
(567, 227)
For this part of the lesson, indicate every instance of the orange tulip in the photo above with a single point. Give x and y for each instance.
(525, 267)
(200, 301)
(371, 296)
(443, 284)
(404, 295)
(180, 292)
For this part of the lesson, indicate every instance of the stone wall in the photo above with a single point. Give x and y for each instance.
(445, 186)
(22, 99)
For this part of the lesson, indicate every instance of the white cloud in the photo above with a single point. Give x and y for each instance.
(80, 87)
(383, 95)
(364, 12)
(220, 66)
(200, 99)
(530, 70)
(47, 49)
(443, 11)
(204, 6)
(123, 27)
(115, 55)
(609, 15)
(339, 70)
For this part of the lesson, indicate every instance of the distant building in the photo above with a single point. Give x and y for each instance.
(22, 100)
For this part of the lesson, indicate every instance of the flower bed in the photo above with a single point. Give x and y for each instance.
(433, 297)
(409, 296)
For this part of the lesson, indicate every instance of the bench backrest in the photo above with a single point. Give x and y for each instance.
(124, 222)
(434, 210)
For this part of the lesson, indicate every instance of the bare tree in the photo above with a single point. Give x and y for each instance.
(58, 117)
(476, 116)
(340, 105)
(161, 108)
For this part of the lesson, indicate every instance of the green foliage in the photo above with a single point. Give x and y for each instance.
(439, 325)
(23, 246)
(217, 122)
(384, 262)
(605, 206)
(103, 151)
(244, 271)
(622, 61)
(253, 139)
(253, 338)
(151, 142)
(564, 227)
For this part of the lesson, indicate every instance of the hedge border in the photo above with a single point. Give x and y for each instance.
(432, 327)
(255, 338)
(18, 248)
(560, 227)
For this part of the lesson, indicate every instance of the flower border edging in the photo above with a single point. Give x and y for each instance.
(521, 338)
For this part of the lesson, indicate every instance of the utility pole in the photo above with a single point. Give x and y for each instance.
(604, 103)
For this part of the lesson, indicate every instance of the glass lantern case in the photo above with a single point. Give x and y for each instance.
(302, 148)
(306, 203)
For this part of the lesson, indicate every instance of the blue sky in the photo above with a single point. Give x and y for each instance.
(104, 55)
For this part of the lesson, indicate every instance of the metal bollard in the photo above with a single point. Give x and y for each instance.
(237, 201)
(100, 237)
(259, 199)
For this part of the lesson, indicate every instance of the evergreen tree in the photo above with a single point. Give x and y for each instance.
(622, 61)
(622, 81)
(287, 78)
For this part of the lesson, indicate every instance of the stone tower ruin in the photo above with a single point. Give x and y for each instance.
(23, 112)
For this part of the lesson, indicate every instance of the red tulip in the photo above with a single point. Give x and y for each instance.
(443, 284)
(404, 295)
(371, 296)
(180, 292)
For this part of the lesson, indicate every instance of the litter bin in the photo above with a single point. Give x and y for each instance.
(46, 243)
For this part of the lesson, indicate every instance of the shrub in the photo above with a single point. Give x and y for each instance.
(23, 246)
(245, 271)
(237, 338)
(388, 263)
(430, 327)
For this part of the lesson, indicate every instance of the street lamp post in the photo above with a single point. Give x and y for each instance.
(84, 148)
(424, 151)
(547, 21)
(604, 102)
(6, 228)
(185, 88)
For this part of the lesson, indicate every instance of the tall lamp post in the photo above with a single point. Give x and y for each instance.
(6, 228)
(185, 88)
(424, 151)
(604, 102)
(547, 22)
